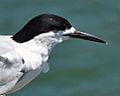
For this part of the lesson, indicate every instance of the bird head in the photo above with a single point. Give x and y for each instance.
(51, 28)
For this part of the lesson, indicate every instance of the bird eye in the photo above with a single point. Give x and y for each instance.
(60, 27)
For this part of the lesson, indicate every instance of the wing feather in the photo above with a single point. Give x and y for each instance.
(10, 71)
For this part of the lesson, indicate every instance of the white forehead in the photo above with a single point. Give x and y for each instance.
(68, 31)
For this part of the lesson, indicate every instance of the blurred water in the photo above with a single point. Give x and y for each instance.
(78, 68)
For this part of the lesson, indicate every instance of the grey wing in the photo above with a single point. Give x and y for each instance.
(10, 73)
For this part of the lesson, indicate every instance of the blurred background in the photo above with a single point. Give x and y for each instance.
(77, 67)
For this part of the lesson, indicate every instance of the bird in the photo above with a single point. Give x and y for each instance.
(24, 55)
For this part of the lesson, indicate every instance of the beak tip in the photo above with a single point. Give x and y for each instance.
(101, 41)
(106, 43)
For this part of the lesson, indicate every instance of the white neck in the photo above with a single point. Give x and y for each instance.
(36, 48)
(48, 40)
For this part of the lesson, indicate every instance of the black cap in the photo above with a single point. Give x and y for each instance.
(41, 24)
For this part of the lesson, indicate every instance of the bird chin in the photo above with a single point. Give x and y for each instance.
(66, 37)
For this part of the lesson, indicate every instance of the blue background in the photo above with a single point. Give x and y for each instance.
(77, 67)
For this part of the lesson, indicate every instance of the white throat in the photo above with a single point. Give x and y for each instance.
(50, 39)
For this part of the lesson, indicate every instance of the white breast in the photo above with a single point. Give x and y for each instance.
(34, 65)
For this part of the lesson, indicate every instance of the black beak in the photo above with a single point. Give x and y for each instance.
(85, 36)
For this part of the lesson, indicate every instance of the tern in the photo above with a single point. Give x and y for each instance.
(24, 55)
